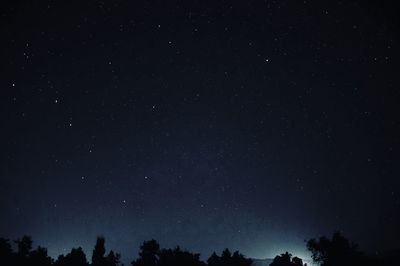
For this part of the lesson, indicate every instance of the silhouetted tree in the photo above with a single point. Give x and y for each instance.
(239, 260)
(39, 257)
(148, 254)
(286, 259)
(178, 257)
(113, 259)
(99, 258)
(296, 261)
(214, 260)
(75, 258)
(24, 246)
(6, 253)
(335, 251)
(225, 257)
(282, 260)
(228, 259)
(99, 251)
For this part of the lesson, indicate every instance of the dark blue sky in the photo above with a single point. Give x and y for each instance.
(208, 124)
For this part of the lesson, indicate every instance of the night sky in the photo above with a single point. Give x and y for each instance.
(252, 125)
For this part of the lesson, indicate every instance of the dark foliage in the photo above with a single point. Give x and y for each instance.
(178, 257)
(99, 251)
(99, 258)
(337, 251)
(227, 258)
(151, 255)
(39, 257)
(6, 253)
(24, 255)
(286, 259)
(75, 258)
(148, 254)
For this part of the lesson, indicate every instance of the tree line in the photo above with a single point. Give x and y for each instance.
(334, 251)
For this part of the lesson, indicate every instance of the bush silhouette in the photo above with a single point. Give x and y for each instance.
(286, 259)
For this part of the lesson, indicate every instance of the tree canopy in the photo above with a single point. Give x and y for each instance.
(334, 251)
